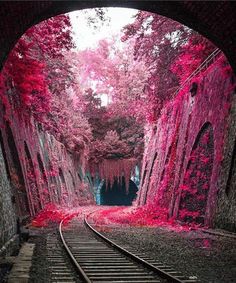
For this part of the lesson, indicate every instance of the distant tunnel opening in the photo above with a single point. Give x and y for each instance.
(117, 194)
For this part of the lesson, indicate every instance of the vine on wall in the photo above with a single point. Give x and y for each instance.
(196, 184)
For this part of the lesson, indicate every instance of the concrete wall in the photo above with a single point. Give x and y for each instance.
(172, 143)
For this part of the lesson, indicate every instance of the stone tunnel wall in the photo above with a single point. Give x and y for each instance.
(8, 226)
(36, 170)
(189, 153)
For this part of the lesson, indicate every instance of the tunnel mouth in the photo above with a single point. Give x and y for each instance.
(117, 194)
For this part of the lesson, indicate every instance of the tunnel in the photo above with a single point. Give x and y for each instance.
(117, 193)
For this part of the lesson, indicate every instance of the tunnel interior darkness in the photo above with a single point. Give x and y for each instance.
(117, 194)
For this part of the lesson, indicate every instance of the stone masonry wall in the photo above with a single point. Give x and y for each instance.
(7, 210)
(226, 205)
(183, 170)
(38, 170)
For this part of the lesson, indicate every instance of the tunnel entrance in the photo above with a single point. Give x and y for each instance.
(117, 193)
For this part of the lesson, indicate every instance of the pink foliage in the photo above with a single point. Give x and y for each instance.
(53, 214)
(26, 69)
(37, 76)
(170, 51)
(145, 216)
(111, 169)
(114, 72)
(44, 79)
(197, 179)
(193, 53)
(183, 178)
(50, 214)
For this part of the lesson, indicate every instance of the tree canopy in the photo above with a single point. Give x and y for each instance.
(138, 71)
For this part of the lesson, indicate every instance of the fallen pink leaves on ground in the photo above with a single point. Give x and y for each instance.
(54, 214)
(144, 216)
(118, 215)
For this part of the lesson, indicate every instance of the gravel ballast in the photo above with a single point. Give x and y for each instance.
(211, 258)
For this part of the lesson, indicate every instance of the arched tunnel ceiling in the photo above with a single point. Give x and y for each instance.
(214, 19)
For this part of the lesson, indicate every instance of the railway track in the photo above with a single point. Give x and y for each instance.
(100, 260)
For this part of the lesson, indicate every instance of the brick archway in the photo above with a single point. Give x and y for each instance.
(214, 20)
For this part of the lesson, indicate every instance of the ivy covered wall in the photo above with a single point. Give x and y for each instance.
(184, 158)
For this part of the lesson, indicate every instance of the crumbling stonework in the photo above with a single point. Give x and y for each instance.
(173, 169)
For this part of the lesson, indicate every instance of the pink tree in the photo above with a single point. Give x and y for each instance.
(193, 53)
(113, 71)
(26, 70)
(160, 41)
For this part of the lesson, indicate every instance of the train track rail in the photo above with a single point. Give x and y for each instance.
(100, 260)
